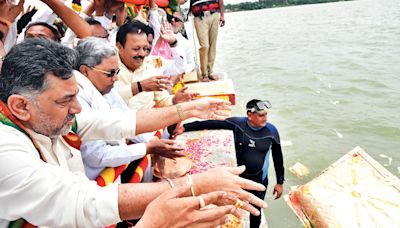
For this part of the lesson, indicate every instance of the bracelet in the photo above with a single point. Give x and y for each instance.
(180, 112)
(170, 183)
(190, 181)
(173, 43)
(139, 87)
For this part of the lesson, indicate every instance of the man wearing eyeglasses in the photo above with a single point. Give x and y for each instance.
(255, 140)
(183, 48)
(41, 170)
(98, 65)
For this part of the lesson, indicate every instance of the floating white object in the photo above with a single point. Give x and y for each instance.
(299, 170)
(285, 143)
(339, 135)
(388, 158)
(390, 161)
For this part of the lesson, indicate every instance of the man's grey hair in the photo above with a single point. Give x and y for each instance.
(93, 50)
(27, 64)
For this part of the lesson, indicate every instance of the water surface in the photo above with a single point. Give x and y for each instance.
(331, 72)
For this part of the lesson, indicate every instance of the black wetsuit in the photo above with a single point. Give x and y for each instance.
(253, 146)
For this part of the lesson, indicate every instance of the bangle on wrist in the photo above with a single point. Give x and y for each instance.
(180, 112)
(173, 43)
(170, 182)
(139, 87)
(190, 182)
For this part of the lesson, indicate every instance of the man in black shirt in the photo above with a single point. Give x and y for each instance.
(255, 139)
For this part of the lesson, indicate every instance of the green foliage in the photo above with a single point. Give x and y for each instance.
(173, 5)
(261, 4)
(131, 13)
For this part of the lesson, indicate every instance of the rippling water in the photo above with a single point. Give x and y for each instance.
(332, 74)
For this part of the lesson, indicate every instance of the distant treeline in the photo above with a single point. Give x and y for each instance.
(261, 4)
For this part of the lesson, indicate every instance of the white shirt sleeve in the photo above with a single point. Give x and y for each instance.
(107, 125)
(69, 38)
(48, 195)
(44, 14)
(190, 63)
(112, 36)
(104, 21)
(178, 65)
(154, 22)
(11, 37)
(100, 155)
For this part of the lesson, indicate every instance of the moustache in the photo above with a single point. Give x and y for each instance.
(69, 118)
(138, 57)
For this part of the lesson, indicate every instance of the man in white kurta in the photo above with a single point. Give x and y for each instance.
(144, 99)
(141, 81)
(38, 93)
(99, 154)
(98, 66)
(26, 181)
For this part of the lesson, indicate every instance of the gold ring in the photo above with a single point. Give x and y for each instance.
(202, 203)
(239, 203)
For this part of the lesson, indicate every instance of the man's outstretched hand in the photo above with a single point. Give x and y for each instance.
(164, 148)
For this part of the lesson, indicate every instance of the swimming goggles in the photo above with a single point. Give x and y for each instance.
(261, 106)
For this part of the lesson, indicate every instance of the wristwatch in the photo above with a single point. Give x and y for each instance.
(173, 44)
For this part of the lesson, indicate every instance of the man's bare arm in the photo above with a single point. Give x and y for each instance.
(134, 198)
(156, 118)
(79, 26)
